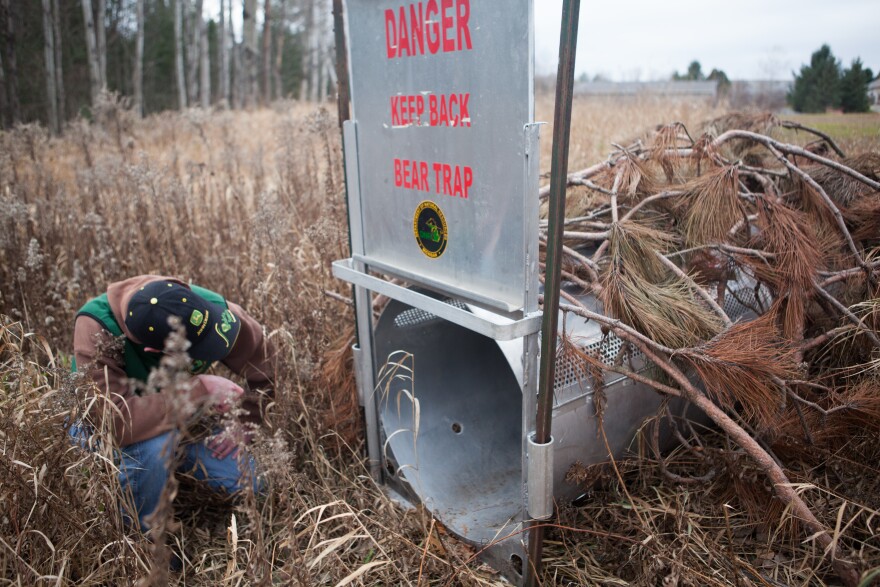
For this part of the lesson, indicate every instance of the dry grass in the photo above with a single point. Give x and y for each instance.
(249, 204)
(252, 205)
(598, 123)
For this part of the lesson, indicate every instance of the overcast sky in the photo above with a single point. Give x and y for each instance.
(629, 40)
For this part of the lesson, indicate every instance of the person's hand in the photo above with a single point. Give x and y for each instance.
(222, 393)
(227, 442)
(221, 446)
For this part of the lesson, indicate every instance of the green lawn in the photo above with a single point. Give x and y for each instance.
(853, 132)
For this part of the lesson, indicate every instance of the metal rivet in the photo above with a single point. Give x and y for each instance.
(151, 329)
(184, 300)
(154, 301)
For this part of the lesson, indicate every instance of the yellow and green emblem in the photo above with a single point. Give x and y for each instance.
(196, 318)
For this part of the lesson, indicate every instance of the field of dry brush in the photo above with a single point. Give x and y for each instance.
(252, 204)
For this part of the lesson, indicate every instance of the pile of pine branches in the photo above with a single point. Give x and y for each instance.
(660, 230)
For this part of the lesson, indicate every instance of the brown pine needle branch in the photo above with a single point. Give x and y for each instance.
(711, 206)
(588, 184)
(822, 411)
(794, 150)
(612, 323)
(741, 366)
(790, 236)
(650, 200)
(635, 178)
(633, 246)
(838, 217)
(661, 460)
(696, 288)
(831, 277)
(667, 312)
(817, 341)
(858, 323)
(584, 236)
(590, 266)
(665, 151)
(582, 174)
(617, 177)
(782, 486)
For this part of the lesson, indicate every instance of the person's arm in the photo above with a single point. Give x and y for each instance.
(130, 418)
(252, 357)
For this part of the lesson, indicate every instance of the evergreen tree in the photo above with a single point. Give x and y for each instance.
(817, 87)
(854, 88)
(718, 75)
(694, 73)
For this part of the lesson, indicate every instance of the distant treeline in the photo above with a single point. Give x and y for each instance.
(57, 56)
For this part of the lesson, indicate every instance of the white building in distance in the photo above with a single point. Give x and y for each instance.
(874, 94)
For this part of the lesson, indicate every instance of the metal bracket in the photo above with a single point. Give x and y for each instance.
(492, 325)
(540, 479)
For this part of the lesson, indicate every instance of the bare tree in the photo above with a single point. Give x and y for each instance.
(59, 69)
(92, 50)
(281, 20)
(139, 61)
(341, 77)
(316, 52)
(267, 52)
(49, 57)
(3, 111)
(249, 56)
(223, 51)
(318, 68)
(178, 53)
(309, 52)
(329, 70)
(101, 40)
(192, 20)
(13, 114)
(205, 65)
(240, 79)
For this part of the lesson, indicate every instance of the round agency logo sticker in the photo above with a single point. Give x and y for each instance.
(429, 227)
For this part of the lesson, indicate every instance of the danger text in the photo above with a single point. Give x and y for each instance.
(435, 26)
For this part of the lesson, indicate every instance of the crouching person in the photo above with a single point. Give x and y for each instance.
(119, 340)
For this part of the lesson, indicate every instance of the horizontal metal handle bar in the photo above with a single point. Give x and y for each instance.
(453, 291)
(492, 325)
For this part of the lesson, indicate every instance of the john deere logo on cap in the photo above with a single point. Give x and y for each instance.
(228, 319)
(429, 227)
(196, 318)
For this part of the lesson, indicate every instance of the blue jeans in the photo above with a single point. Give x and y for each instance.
(144, 469)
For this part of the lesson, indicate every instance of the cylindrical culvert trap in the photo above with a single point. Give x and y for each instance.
(457, 442)
(450, 409)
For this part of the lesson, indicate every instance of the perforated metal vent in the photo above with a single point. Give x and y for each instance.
(568, 370)
(745, 300)
(416, 317)
(571, 369)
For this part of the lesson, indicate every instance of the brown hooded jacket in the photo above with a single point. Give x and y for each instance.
(139, 417)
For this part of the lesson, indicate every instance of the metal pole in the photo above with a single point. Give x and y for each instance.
(363, 318)
(343, 114)
(342, 94)
(556, 220)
